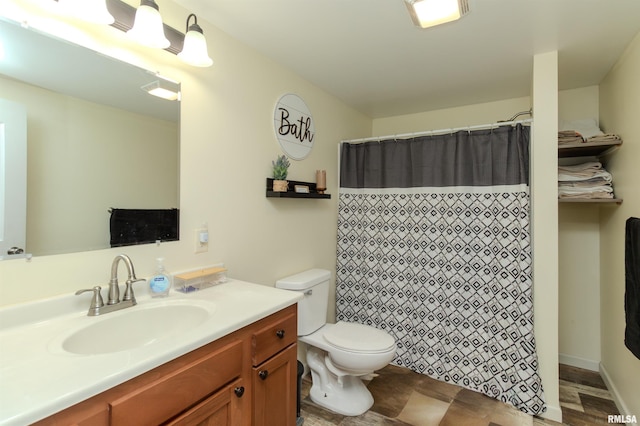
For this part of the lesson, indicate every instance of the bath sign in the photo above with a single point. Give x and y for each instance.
(294, 126)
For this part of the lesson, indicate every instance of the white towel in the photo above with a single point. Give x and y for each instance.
(605, 137)
(587, 127)
(582, 167)
(588, 196)
(570, 190)
(587, 183)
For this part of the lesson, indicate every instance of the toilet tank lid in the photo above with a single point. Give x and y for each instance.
(304, 280)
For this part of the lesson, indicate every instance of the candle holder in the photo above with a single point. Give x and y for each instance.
(321, 181)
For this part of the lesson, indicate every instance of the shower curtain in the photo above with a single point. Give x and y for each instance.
(434, 247)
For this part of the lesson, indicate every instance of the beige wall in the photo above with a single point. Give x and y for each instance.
(84, 158)
(227, 144)
(579, 257)
(469, 115)
(544, 223)
(619, 109)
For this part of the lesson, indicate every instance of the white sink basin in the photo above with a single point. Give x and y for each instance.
(134, 327)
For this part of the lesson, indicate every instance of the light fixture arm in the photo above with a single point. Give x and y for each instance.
(194, 26)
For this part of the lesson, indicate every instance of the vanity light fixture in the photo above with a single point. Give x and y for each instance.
(94, 11)
(163, 89)
(194, 51)
(147, 28)
(428, 13)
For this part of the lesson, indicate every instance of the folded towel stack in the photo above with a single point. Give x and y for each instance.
(586, 180)
(569, 136)
(586, 130)
(605, 137)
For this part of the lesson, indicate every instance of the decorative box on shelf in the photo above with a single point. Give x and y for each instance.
(302, 191)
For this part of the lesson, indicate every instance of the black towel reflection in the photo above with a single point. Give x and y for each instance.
(632, 287)
(142, 226)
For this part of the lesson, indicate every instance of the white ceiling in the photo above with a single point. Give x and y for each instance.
(369, 54)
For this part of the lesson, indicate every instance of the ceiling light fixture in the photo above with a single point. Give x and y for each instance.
(94, 11)
(163, 89)
(194, 51)
(428, 13)
(147, 28)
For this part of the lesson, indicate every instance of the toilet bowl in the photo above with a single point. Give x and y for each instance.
(353, 349)
(338, 354)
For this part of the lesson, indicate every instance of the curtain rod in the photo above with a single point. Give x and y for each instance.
(440, 131)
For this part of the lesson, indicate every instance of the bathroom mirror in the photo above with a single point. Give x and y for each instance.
(96, 141)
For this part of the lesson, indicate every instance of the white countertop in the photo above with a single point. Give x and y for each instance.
(38, 379)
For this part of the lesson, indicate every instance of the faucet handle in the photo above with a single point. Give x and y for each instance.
(128, 292)
(96, 300)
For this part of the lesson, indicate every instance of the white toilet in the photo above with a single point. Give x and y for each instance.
(338, 354)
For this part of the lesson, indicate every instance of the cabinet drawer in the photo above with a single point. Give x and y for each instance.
(273, 337)
(162, 399)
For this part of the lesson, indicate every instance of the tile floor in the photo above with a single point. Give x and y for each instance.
(403, 397)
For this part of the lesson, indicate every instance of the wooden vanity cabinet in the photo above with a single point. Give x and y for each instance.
(217, 384)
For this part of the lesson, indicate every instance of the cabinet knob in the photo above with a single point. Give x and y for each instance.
(239, 391)
(263, 374)
(280, 333)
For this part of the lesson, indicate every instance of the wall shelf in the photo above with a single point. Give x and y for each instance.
(591, 200)
(589, 149)
(313, 193)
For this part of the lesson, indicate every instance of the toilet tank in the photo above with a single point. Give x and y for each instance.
(312, 309)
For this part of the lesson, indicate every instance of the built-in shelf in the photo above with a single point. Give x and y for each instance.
(591, 200)
(291, 193)
(589, 149)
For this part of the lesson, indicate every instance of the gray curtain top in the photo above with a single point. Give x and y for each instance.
(478, 158)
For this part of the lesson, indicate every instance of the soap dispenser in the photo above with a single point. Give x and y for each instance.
(160, 283)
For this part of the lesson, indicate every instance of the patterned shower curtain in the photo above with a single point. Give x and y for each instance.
(434, 247)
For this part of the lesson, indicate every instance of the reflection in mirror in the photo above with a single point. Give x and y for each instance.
(96, 144)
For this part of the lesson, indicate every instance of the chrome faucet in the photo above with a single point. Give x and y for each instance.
(113, 302)
(114, 289)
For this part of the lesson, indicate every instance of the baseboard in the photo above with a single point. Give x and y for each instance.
(622, 407)
(553, 413)
(575, 361)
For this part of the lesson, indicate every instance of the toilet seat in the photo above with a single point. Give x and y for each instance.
(358, 338)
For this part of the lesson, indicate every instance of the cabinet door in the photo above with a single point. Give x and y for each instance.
(171, 393)
(274, 390)
(224, 408)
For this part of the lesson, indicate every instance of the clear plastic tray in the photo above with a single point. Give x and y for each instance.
(189, 281)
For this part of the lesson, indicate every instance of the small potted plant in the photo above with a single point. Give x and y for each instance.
(280, 171)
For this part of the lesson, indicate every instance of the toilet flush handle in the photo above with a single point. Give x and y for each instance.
(308, 292)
